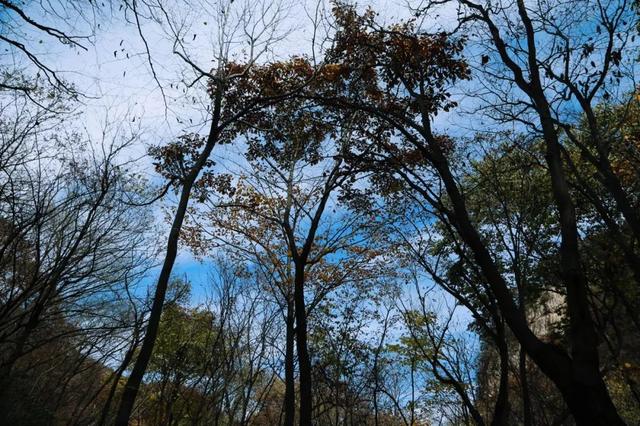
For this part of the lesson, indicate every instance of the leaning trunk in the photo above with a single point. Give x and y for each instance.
(114, 386)
(133, 383)
(572, 376)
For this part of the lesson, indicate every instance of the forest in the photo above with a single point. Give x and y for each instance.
(270, 212)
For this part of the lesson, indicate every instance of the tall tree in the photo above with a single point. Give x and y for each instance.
(407, 90)
(281, 205)
(236, 90)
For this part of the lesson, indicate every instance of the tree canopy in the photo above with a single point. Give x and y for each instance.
(362, 217)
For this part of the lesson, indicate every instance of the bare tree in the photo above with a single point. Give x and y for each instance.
(236, 90)
(72, 245)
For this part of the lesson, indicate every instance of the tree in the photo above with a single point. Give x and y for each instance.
(236, 90)
(212, 363)
(374, 73)
(72, 249)
(277, 212)
(72, 25)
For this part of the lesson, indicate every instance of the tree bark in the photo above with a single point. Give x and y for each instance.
(133, 383)
(289, 373)
(114, 386)
(501, 408)
(581, 386)
(304, 360)
(527, 414)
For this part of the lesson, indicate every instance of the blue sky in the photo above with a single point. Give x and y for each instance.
(116, 77)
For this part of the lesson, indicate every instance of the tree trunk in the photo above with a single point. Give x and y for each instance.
(304, 361)
(501, 408)
(289, 373)
(586, 395)
(527, 414)
(573, 376)
(114, 386)
(589, 402)
(133, 383)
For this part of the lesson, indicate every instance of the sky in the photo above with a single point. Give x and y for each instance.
(116, 75)
(121, 82)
